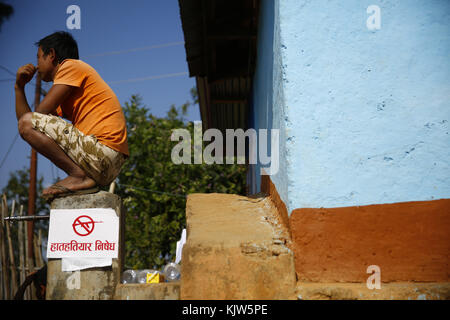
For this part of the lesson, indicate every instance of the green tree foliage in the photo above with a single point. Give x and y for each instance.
(154, 189)
(5, 12)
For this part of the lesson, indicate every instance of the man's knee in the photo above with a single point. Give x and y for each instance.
(24, 124)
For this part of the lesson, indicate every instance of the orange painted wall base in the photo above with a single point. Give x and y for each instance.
(408, 241)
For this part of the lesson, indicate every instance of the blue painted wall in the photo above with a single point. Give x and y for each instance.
(262, 115)
(363, 115)
(268, 109)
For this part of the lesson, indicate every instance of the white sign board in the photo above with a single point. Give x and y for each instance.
(83, 233)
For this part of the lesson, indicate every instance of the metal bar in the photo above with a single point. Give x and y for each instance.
(25, 218)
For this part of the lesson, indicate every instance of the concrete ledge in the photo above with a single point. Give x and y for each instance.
(359, 291)
(236, 248)
(150, 291)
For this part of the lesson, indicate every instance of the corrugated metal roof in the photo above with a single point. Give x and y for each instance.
(220, 43)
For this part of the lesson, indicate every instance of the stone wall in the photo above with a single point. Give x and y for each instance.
(236, 248)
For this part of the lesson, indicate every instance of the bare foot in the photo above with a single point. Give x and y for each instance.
(71, 183)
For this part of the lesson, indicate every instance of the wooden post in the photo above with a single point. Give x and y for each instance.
(37, 251)
(21, 236)
(27, 262)
(1, 262)
(6, 282)
(33, 170)
(41, 257)
(112, 186)
(12, 264)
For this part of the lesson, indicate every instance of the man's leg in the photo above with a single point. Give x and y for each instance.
(77, 178)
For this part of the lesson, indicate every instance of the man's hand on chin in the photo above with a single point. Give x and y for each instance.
(24, 75)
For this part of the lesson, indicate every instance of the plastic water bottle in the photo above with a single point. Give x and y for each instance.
(142, 275)
(172, 272)
(129, 276)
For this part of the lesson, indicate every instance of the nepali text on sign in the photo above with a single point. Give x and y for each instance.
(78, 233)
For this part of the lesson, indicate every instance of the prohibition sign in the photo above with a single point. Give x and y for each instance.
(83, 225)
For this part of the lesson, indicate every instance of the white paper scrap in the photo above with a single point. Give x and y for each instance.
(180, 245)
(75, 264)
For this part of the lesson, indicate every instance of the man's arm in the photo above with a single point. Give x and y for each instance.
(24, 75)
(56, 95)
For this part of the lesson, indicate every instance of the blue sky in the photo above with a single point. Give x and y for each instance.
(137, 46)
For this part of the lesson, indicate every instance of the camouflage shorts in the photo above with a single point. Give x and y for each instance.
(100, 162)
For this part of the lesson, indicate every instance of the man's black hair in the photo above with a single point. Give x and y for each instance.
(62, 42)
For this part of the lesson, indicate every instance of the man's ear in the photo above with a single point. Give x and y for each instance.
(52, 55)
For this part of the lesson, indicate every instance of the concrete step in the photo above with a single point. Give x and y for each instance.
(148, 291)
(360, 291)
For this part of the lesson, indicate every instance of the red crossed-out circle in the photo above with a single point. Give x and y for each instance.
(83, 225)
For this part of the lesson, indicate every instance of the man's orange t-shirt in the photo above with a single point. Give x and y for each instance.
(92, 107)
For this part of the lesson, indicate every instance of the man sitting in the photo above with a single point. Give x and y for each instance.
(94, 147)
